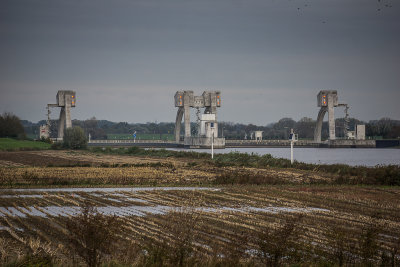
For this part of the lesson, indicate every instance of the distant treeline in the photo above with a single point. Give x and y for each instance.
(10, 126)
(384, 128)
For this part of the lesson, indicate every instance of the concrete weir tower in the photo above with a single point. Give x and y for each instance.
(65, 100)
(327, 100)
(208, 125)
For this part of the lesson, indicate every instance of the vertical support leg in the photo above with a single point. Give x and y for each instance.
(318, 126)
(331, 118)
(68, 121)
(178, 124)
(61, 124)
(187, 121)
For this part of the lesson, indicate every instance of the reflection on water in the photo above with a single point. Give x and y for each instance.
(349, 156)
(108, 189)
(116, 195)
(22, 196)
(141, 211)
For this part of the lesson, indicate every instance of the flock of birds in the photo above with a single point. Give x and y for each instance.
(380, 5)
(386, 5)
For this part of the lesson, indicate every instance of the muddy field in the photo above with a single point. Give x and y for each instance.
(70, 158)
(308, 223)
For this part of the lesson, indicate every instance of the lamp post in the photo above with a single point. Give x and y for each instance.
(212, 146)
(293, 138)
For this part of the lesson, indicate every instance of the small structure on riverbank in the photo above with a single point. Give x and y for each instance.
(258, 135)
(44, 131)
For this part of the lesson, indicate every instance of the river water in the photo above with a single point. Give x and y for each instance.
(349, 156)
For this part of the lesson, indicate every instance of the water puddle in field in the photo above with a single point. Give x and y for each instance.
(21, 196)
(273, 210)
(110, 190)
(142, 210)
(11, 211)
(6, 228)
(133, 199)
(123, 195)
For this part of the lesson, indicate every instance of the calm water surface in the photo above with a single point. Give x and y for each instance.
(350, 156)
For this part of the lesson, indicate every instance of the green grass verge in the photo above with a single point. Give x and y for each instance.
(10, 144)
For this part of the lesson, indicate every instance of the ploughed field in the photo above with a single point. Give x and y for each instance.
(167, 207)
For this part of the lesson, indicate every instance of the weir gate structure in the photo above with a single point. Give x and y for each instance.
(65, 100)
(207, 125)
(207, 130)
(327, 100)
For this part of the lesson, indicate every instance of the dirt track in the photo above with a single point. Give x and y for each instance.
(38, 158)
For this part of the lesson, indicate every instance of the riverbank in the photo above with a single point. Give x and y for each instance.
(136, 166)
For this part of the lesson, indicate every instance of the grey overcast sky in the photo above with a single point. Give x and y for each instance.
(269, 58)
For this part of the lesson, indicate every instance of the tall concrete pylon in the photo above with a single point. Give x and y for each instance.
(327, 100)
(66, 100)
(185, 100)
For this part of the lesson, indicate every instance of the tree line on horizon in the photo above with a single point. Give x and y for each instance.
(11, 126)
(384, 128)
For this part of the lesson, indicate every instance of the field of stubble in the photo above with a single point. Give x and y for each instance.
(174, 212)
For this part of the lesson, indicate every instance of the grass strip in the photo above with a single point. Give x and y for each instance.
(9, 144)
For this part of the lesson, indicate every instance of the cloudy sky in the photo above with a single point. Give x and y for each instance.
(269, 58)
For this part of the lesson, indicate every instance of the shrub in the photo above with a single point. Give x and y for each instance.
(57, 146)
(75, 138)
(342, 244)
(368, 245)
(32, 260)
(92, 234)
(46, 140)
(275, 245)
(175, 246)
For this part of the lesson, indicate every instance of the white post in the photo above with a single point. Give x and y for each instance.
(212, 146)
(292, 139)
(291, 151)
